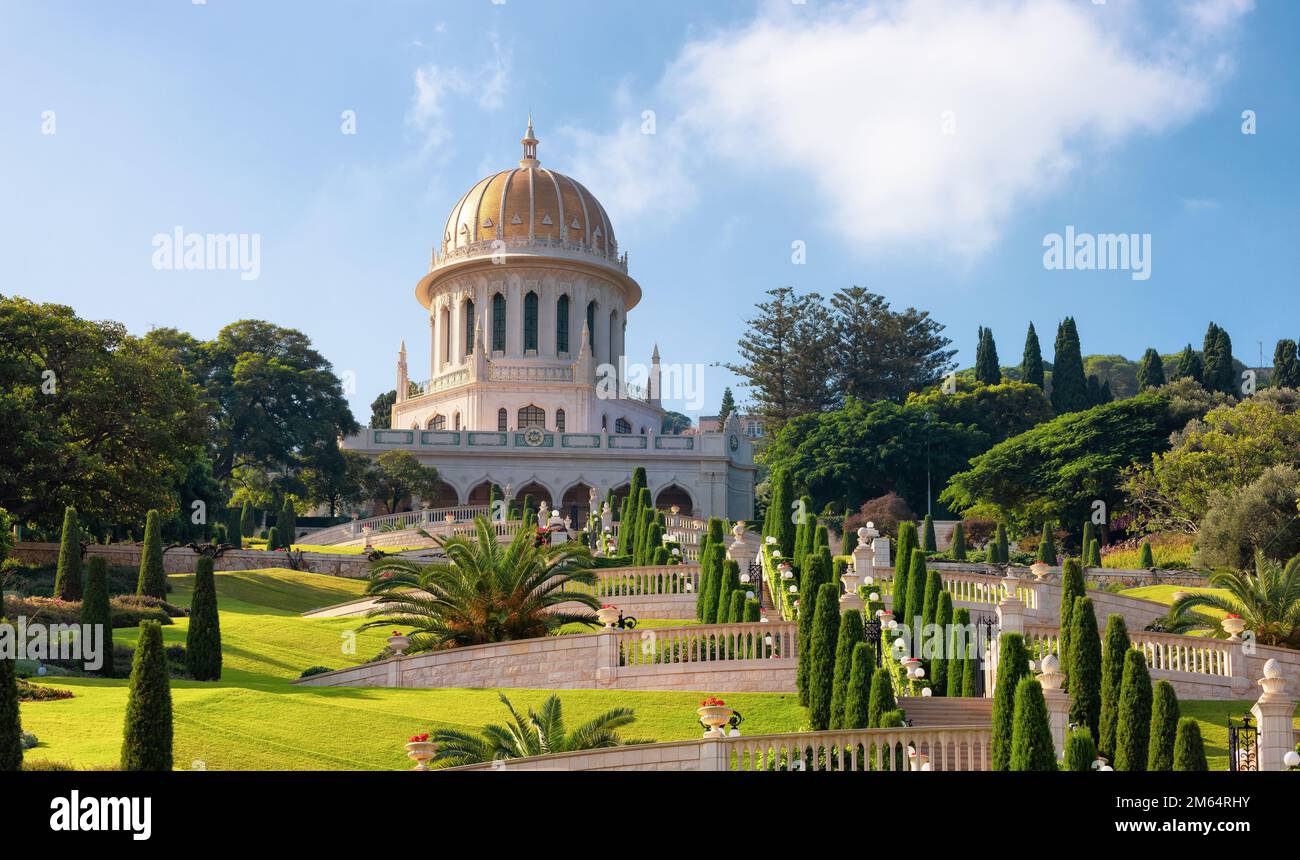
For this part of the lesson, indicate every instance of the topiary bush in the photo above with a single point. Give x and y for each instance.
(930, 604)
(1189, 750)
(95, 610)
(1031, 733)
(857, 694)
(1164, 727)
(916, 584)
(203, 641)
(753, 612)
(1080, 750)
(1047, 546)
(902, 564)
(850, 635)
(1084, 669)
(67, 581)
(153, 581)
(1000, 548)
(957, 645)
(1146, 561)
(1112, 676)
(736, 612)
(1133, 730)
(147, 733)
(929, 544)
(958, 543)
(881, 700)
(811, 580)
(1013, 664)
(821, 665)
(1094, 554)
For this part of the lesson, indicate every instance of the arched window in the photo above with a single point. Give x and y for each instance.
(591, 324)
(438, 422)
(559, 420)
(622, 425)
(469, 326)
(530, 321)
(498, 323)
(532, 416)
(502, 418)
(562, 324)
(444, 334)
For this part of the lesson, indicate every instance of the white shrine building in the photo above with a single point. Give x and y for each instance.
(528, 298)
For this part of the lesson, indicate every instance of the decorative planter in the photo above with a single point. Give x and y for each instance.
(608, 615)
(1039, 569)
(715, 717)
(399, 643)
(1234, 627)
(421, 752)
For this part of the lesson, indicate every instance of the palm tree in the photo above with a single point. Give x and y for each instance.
(1267, 599)
(539, 733)
(484, 592)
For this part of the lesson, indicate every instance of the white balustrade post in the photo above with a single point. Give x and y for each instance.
(880, 551)
(742, 551)
(1273, 717)
(1011, 609)
(1058, 702)
(864, 565)
(607, 656)
(713, 755)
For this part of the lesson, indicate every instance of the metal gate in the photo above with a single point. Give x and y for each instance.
(986, 627)
(1243, 745)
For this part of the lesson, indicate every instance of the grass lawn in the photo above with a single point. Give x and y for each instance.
(1165, 594)
(254, 719)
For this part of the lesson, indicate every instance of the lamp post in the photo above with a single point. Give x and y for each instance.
(872, 631)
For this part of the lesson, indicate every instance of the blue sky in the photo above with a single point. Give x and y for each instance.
(919, 150)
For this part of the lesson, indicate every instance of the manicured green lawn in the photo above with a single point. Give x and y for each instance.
(254, 719)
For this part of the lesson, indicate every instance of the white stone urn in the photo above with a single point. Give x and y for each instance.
(787, 572)
(421, 752)
(1051, 676)
(399, 642)
(850, 579)
(1273, 682)
(675, 509)
(1234, 627)
(1039, 569)
(608, 615)
(1010, 584)
(449, 518)
(715, 717)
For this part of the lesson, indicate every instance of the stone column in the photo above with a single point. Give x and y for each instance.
(1058, 702)
(1011, 610)
(606, 657)
(514, 318)
(1273, 716)
(864, 555)
(713, 755)
(742, 551)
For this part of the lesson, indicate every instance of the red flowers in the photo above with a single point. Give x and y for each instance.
(1232, 615)
(420, 739)
(712, 702)
(397, 633)
(609, 606)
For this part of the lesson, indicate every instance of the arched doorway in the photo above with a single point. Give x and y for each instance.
(577, 504)
(444, 497)
(675, 495)
(534, 493)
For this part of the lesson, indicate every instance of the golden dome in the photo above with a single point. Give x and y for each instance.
(528, 207)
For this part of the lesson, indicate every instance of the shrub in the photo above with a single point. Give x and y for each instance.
(710, 591)
(1072, 586)
(246, 524)
(28, 692)
(314, 670)
(1084, 670)
(881, 700)
(1080, 751)
(892, 719)
(857, 696)
(1164, 727)
(821, 668)
(809, 584)
(203, 641)
(945, 665)
(753, 612)
(288, 523)
(1189, 750)
(1047, 545)
(1133, 730)
(147, 734)
(67, 582)
(153, 581)
(958, 543)
(1112, 677)
(1257, 515)
(11, 724)
(1031, 733)
(888, 512)
(736, 612)
(728, 580)
(95, 608)
(1013, 664)
(1145, 560)
(1088, 534)
(273, 539)
(970, 676)
(850, 635)
(929, 543)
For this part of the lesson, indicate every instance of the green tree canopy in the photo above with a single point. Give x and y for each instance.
(396, 476)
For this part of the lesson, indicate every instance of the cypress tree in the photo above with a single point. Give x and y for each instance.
(1094, 553)
(1151, 372)
(1031, 734)
(857, 696)
(1189, 751)
(624, 511)
(1031, 366)
(1080, 751)
(1217, 350)
(1164, 727)
(1013, 664)
(1286, 365)
(1146, 561)
(67, 579)
(273, 539)
(247, 525)
(821, 671)
(152, 582)
(881, 700)
(929, 543)
(737, 611)
(1047, 545)
(987, 369)
(1190, 366)
(710, 591)
(821, 536)
(959, 661)
(783, 499)
(147, 734)
(970, 676)
(95, 609)
(958, 543)
(1112, 677)
(654, 542)
(1000, 546)
(203, 641)
(1133, 730)
(1069, 384)
(850, 537)
(930, 605)
(809, 583)
(1072, 587)
(1084, 668)
(1088, 533)
(916, 583)
(946, 664)
(11, 723)
(288, 524)
(728, 582)
(753, 612)
(234, 526)
(902, 564)
(850, 635)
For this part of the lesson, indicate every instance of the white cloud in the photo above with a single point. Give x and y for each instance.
(853, 100)
(436, 86)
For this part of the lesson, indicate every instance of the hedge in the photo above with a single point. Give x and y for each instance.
(147, 733)
(1133, 731)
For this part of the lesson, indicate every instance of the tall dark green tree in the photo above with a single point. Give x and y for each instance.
(1069, 383)
(821, 666)
(67, 578)
(1047, 545)
(1133, 729)
(1286, 365)
(1189, 750)
(1072, 587)
(987, 368)
(782, 522)
(907, 541)
(1189, 365)
(95, 611)
(203, 641)
(850, 635)
(147, 733)
(857, 695)
(882, 698)
(958, 543)
(1013, 664)
(945, 665)
(1217, 351)
(728, 405)
(1151, 372)
(930, 604)
(288, 523)
(247, 524)
(964, 655)
(728, 583)
(810, 582)
(917, 579)
(999, 547)
(1145, 559)
(1031, 734)
(929, 543)
(152, 581)
(1112, 678)
(11, 724)
(789, 336)
(1164, 727)
(1084, 669)
(1080, 751)
(711, 591)
(1031, 365)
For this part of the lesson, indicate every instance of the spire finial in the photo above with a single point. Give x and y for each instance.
(530, 145)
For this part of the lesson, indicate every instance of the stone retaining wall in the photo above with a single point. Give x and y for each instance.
(181, 559)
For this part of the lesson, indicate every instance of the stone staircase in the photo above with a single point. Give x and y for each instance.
(929, 711)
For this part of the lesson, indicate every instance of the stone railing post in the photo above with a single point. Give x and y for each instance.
(1238, 665)
(743, 552)
(1011, 609)
(607, 657)
(1273, 717)
(714, 755)
(1058, 702)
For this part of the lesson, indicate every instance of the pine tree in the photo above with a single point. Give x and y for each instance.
(850, 635)
(203, 641)
(958, 543)
(1151, 372)
(1133, 730)
(1032, 748)
(857, 695)
(1047, 546)
(959, 661)
(1072, 587)
(1031, 366)
(987, 369)
(67, 579)
(1084, 668)
(930, 544)
(1080, 751)
(1000, 546)
(1146, 561)
(1112, 677)
(944, 665)
(916, 583)
(247, 524)
(1013, 664)
(1189, 750)
(821, 669)
(153, 581)
(930, 606)
(1069, 385)
(95, 610)
(1164, 727)
(1286, 365)
(1190, 365)
(902, 564)
(11, 724)
(881, 700)
(147, 734)
(728, 405)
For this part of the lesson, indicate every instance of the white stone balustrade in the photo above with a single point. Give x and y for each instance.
(707, 643)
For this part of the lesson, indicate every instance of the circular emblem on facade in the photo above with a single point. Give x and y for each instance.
(534, 436)
(735, 442)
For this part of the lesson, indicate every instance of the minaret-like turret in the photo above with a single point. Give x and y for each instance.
(530, 146)
(653, 382)
(402, 377)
